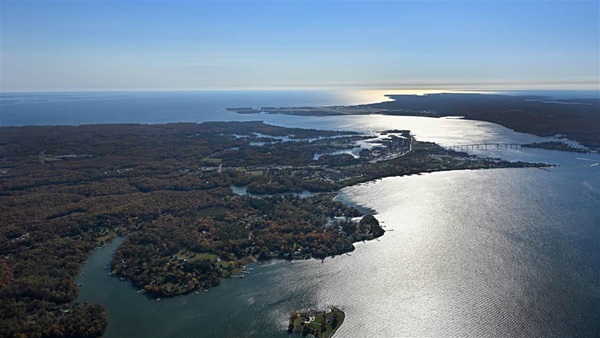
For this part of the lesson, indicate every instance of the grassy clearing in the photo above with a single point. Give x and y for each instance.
(106, 236)
(255, 172)
(212, 160)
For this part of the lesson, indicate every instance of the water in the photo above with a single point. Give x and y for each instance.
(18, 109)
(483, 253)
(509, 252)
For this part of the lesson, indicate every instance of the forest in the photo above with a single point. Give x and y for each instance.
(167, 189)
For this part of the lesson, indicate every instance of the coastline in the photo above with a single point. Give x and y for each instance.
(536, 115)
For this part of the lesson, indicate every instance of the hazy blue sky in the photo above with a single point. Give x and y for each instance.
(154, 45)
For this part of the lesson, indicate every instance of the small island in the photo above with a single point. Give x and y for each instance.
(321, 324)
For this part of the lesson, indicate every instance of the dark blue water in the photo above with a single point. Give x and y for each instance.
(17, 109)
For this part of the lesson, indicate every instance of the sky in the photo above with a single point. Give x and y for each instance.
(227, 44)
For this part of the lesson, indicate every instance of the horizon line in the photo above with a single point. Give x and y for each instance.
(259, 89)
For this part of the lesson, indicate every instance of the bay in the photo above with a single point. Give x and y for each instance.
(76, 108)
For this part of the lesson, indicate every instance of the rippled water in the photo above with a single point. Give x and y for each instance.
(508, 252)
(484, 253)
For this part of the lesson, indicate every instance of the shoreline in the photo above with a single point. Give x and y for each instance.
(365, 211)
(535, 115)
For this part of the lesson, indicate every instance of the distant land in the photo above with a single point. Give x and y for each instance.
(576, 119)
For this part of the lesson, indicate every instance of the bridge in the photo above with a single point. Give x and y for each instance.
(486, 146)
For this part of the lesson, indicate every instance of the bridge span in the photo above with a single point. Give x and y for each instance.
(485, 146)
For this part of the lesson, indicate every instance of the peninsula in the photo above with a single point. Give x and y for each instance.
(170, 191)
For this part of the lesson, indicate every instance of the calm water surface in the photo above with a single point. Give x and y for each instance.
(485, 253)
(17, 109)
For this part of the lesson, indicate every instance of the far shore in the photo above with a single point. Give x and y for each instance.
(576, 119)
